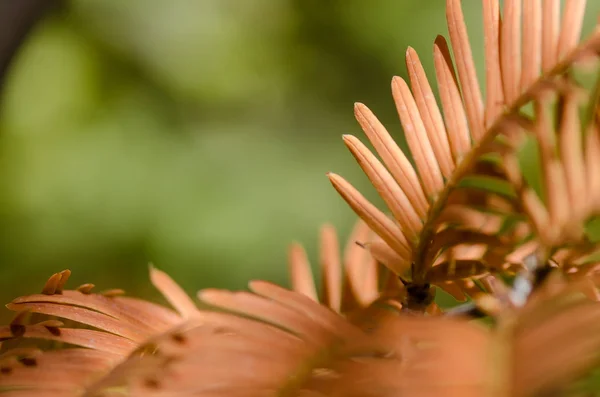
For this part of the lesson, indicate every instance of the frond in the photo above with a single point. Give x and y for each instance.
(448, 143)
(567, 151)
(569, 168)
(277, 342)
(86, 334)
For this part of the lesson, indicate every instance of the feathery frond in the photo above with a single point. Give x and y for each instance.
(272, 341)
(95, 333)
(526, 50)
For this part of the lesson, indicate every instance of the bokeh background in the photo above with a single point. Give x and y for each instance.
(193, 134)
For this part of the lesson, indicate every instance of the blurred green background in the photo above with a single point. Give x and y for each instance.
(194, 134)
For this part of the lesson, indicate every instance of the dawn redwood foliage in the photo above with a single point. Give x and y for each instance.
(465, 219)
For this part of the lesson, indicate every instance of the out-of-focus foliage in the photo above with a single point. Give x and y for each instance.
(192, 134)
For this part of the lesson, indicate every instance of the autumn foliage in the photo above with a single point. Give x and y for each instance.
(462, 216)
